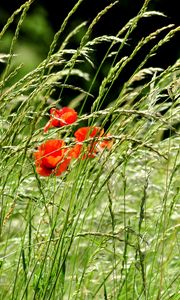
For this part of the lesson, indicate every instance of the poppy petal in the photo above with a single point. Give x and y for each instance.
(62, 117)
(51, 158)
(41, 170)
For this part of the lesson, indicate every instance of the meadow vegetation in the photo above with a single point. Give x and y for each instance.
(107, 226)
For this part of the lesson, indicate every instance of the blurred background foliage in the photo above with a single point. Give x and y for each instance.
(44, 18)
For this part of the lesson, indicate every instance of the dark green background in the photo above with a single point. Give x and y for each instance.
(45, 18)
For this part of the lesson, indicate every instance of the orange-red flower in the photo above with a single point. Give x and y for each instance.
(51, 158)
(94, 146)
(106, 143)
(75, 151)
(83, 134)
(62, 117)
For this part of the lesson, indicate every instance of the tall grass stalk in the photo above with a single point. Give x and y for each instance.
(107, 228)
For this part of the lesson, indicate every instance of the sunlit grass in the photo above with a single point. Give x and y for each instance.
(107, 228)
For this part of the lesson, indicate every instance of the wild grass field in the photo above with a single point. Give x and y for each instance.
(105, 225)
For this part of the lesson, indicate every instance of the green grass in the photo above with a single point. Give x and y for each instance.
(108, 227)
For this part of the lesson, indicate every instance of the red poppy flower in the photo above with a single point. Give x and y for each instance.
(81, 135)
(51, 158)
(106, 143)
(75, 151)
(62, 117)
(84, 133)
